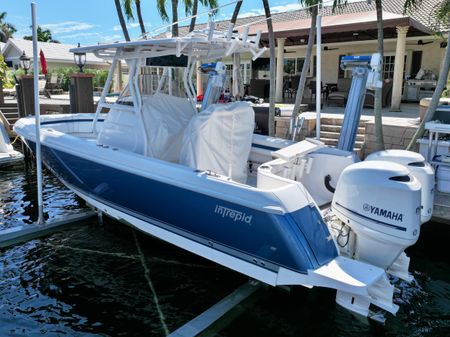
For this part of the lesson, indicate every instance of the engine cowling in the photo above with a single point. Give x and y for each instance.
(380, 201)
(419, 168)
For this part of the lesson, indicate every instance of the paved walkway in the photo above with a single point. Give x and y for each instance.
(409, 110)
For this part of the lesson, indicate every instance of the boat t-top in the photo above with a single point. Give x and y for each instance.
(282, 212)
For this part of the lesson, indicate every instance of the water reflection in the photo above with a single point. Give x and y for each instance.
(91, 281)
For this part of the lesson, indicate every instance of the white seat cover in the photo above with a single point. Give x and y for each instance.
(220, 139)
(165, 118)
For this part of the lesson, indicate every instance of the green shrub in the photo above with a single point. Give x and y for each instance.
(64, 73)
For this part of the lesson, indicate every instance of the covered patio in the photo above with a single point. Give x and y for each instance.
(349, 31)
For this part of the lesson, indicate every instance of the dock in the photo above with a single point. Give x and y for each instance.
(22, 233)
(441, 212)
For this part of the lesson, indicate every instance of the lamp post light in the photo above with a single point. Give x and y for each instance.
(80, 59)
(25, 62)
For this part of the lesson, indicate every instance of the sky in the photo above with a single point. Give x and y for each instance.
(92, 21)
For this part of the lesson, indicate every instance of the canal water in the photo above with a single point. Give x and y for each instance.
(109, 280)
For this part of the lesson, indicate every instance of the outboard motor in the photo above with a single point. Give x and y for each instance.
(380, 202)
(419, 168)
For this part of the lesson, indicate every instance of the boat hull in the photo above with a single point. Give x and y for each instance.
(266, 239)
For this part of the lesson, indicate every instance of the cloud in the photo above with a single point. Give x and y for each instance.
(280, 8)
(111, 38)
(285, 8)
(132, 25)
(81, 34)
(67, 27)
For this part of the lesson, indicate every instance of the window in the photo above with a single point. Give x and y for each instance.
(293, 66)
(246, 74)
(341, 72)
(289, 66)
(389, 65)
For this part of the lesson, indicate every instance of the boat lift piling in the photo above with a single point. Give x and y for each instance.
(12, 236)
(37, 114)
(318, 72)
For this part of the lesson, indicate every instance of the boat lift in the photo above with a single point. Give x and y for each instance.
(12, 236)
(366, 74)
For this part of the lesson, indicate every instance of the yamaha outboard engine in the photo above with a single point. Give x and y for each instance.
(377, 204)
(419, 168)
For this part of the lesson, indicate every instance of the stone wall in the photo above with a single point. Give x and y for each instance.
(308, 129)
(397, 133)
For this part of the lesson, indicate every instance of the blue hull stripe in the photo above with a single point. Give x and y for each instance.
(400, 228)
(70, 121)
(265, 147)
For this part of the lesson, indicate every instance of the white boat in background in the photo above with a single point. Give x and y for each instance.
(8, 156)
(201, 180)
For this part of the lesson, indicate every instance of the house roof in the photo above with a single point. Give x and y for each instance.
(54, 52)
(342, 26)
(421, 18)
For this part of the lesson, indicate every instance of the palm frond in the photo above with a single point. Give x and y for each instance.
(411, 5)
(161, 7)
(187, 6)
(128, 9)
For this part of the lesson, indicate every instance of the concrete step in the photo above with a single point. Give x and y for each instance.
(337, 128)
(8, 105)
(333, 142)
(337, 121)
(335, 135)
(9, 113)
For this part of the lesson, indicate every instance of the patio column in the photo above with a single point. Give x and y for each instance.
(280, 70)
(399, 65)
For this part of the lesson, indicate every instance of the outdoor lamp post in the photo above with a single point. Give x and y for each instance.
(25, 62)
(80, 59)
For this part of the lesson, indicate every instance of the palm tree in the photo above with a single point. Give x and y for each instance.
(161, 6)
(377, 105)
(211, 3)
(237, 88)
(313, 6)
(6, 29)
(272, 68)
(442, 15)
(43, 35)
(237, 8)
(128, 8)
(122, 20)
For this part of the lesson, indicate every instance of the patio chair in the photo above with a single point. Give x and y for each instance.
(340, 95)
(53, 84)
(259, 88)
(386, 94)
(312, 86)
(42, 83)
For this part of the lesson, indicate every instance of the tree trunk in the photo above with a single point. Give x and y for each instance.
(194, 15)
(305, 69)
(174, 18)
(139, 15)
(272, 69)
(122, 20)
(237, 8)
(443, 75)
(377, 106)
